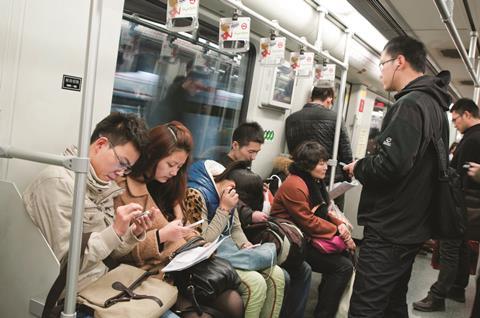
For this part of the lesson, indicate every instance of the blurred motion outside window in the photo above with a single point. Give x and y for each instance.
(162, 78)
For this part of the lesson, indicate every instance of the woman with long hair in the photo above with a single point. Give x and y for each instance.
(159, 182)
(211, 196)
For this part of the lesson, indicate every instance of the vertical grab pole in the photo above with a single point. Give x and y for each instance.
(341, 105)
(91, 56)
(476, 90)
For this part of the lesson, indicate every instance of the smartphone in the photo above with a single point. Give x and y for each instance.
(145, 213)
(466, 166)
(195, 224)
(343, 164)
(253, 246)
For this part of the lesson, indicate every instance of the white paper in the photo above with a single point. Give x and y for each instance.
(191, 257)
(340, 188)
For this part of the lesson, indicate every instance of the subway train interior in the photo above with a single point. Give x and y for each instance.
(64, 65)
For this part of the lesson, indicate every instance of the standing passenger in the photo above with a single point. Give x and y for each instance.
(398, 180)
(454, 254)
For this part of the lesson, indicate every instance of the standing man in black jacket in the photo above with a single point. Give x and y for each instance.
(454, 257)
(398, 181)
(316, 122)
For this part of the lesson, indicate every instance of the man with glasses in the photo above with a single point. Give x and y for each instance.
(454, 254)
(316, 122)
(115, 146)
(398, 181)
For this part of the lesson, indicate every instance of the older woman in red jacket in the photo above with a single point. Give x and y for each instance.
(303, 199)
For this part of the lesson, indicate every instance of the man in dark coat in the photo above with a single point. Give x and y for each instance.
(398, 180)
(316, 122)
(454, 256)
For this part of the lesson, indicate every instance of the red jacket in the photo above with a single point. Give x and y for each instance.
(292, 202)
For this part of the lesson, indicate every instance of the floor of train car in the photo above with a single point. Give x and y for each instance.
(422, 278)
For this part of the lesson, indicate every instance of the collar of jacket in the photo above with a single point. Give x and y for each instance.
(311, 105)
(471, 129)
(99, 190)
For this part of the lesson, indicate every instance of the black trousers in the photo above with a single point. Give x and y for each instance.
(381, 280)
(336, 271)
(454, 267)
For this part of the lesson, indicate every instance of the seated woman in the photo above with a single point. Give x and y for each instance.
(250, 189)
(303, 199)
(211, 196)
(159, 181)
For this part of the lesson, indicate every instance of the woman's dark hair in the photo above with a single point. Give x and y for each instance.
(164, 140)
(227, 173)
(307, 155)
(249, 187)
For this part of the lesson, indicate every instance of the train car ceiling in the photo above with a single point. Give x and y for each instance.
(397, 17)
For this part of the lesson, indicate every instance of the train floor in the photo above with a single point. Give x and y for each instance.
(423, 277)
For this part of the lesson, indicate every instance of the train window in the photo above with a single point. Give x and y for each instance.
(380, 107)
(163, 78)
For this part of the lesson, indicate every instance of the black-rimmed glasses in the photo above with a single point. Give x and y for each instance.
(125, 166)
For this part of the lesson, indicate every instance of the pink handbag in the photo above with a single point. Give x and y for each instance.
(329, 246)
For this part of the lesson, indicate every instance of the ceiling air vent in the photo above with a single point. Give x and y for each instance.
(450, 53)
(466, 82)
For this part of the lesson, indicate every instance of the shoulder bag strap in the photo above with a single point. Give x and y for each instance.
(60, 282)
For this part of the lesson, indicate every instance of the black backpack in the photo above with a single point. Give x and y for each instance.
(286, 236)
(450, 214)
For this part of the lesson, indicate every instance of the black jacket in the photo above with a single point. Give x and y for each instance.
(468, 150)
(399, 179)
(317, 123)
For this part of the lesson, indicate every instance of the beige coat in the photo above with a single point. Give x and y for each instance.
(148, 253)
(48, 200)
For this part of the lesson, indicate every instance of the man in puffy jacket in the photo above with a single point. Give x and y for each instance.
(316, 122)
(115, 146)
(398, 181)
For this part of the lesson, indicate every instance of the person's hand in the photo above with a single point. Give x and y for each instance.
(258, 216)
(350, 244)
(174, 231)
(246, 245)
(229, 198)
(474, 168)
(344, 232)
(124, 215)
(349, 168)
(144, 223)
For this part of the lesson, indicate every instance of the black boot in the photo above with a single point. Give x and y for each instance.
(430, 303)
(457, 294)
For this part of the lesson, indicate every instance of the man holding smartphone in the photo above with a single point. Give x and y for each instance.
(454, 254)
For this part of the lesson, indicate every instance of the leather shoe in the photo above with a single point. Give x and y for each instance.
(457, 294)
(430, 304)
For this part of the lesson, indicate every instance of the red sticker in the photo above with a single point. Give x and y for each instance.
(362, 104)
(243, 26)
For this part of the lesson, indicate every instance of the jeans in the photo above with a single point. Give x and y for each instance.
(381, 280)
(298, 290)
(454, 268)
(336, 272)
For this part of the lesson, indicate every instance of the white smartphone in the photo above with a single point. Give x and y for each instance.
(253, 246)
(194, 224)
(145, 213)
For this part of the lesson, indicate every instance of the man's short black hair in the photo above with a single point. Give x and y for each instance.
(122, 128)
(322, 93)
(248, 132)
(465, 105)
(413, 51)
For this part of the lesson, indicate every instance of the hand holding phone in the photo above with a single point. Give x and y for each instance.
(193, 225)
(253, 246)
(145, 213)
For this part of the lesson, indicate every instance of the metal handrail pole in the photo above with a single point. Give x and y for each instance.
(476, 90)
(240, 6)
(341, 105)
(13, 152)
(91, 58)
(452, 30)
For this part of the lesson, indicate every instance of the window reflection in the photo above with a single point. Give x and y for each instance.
(162, 78)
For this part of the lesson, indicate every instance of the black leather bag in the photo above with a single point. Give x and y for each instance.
(205, 281)
(449, 219)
